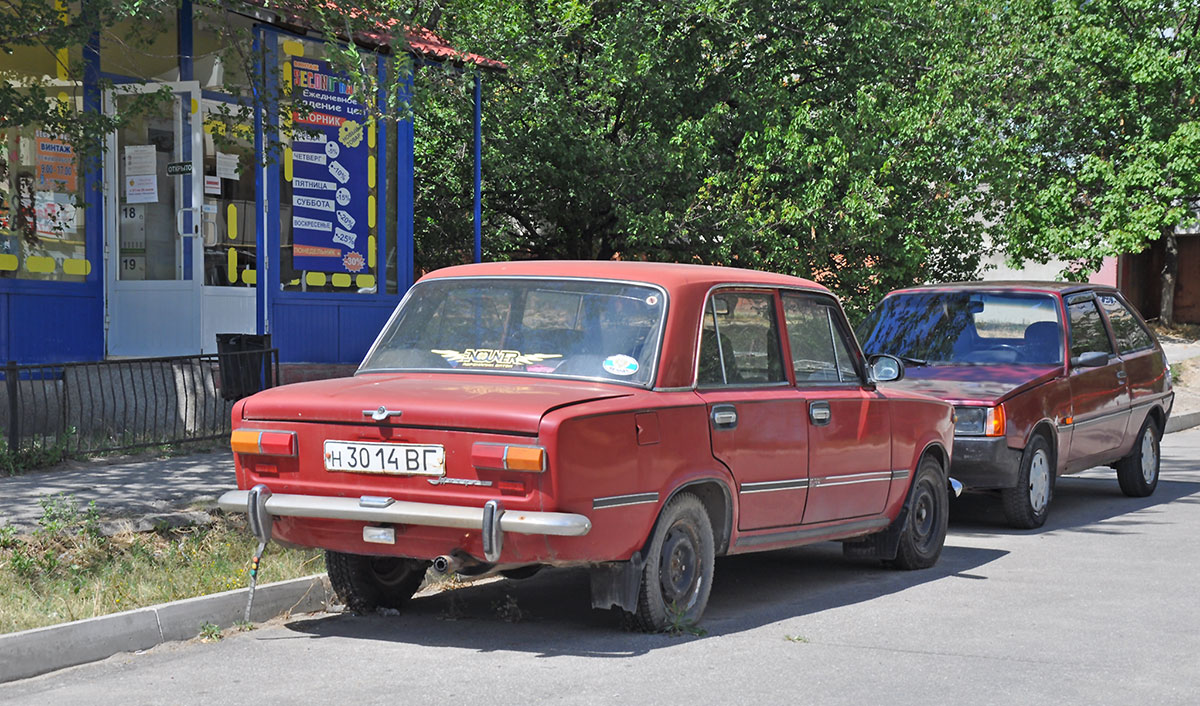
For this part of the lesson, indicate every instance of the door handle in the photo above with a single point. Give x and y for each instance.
(195, 220)
(724, 416)
(1121, 375)
(819, 413)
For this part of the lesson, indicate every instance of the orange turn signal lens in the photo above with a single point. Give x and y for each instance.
(994, 425)
(525, 458)
(265, 443)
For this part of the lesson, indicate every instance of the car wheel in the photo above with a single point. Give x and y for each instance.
(365, 583)
(1027, 505)
(677, 576)
(924, 531)
(1138, 472)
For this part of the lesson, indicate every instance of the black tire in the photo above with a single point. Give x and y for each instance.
(924, 532)
(1027, 505)
(677, 577)
(365, 583)
(1138, 472)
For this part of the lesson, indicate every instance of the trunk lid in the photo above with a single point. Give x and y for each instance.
(506, 404)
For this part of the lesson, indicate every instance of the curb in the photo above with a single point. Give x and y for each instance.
(40, 650)
(1183, 421)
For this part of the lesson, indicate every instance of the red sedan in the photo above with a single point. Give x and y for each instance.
(637, 418)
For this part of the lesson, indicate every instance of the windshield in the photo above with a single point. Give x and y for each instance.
(982, 328)
(548, 328)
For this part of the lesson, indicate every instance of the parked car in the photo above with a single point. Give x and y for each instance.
(637, 418)
(1047, 379)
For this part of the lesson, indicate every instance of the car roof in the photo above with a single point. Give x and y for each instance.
(666, 274)
(1007, 286)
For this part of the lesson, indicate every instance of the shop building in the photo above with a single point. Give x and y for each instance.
(185, 229)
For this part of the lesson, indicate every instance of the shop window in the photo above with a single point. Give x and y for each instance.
(328, 195)
(41, 208)
(145, 48)
(228, 218)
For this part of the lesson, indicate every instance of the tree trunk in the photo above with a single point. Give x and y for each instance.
(1170, 273)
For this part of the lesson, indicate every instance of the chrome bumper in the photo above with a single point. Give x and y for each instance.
(493, 518)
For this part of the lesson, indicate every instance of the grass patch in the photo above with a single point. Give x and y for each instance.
(67, 570)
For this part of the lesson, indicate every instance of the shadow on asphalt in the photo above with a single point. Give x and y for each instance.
(551, 615)
(1089, 502)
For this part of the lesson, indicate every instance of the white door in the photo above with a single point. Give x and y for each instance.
(152, 235)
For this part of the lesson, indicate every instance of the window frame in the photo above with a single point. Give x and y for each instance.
(838, 327)
(1090, 296)
(1137, 320)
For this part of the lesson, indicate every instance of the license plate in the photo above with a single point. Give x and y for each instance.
(389, 459)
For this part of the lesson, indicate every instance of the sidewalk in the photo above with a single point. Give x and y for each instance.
(153, 489)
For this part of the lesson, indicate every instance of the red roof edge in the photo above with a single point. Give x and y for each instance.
(420, 41)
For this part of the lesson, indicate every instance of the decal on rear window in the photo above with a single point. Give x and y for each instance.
(493, 358)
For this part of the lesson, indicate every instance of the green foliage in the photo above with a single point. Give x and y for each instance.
(1087, 126)
(803, 138)
(209, 632)
(38, 454)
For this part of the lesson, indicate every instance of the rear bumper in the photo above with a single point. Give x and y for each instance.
(985, 463)
(491, 519)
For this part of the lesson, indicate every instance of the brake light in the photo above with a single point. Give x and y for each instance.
(508, 457)
(265, 443)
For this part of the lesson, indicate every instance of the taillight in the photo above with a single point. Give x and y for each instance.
(508, 457)
(264, 443)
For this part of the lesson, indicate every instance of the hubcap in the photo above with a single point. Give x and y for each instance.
(678, 571)
(1149, 457)
(1039, 481)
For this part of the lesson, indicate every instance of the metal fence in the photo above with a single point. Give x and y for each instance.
(112, 405)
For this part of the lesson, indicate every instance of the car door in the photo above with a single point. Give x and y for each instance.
(849, 427)
(1099, 394)
(1144, 364)
(756, 418)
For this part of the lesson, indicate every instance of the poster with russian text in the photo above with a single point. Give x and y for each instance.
(329, 173)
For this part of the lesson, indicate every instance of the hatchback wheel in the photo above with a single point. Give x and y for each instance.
(1138, 472)
(1027, 505)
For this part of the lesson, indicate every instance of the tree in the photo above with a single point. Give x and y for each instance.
(803, 138)
(1088, 126)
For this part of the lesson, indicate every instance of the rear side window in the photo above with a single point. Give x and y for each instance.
(739, 344)
(1131, 336)
(819, 350)
(1087, 329)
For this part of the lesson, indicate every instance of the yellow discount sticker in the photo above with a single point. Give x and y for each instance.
(350, 133)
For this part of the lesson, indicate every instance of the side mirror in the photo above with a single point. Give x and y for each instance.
(1091, 359)
(885, 368)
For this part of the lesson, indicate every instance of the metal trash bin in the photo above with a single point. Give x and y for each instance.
(244, 360)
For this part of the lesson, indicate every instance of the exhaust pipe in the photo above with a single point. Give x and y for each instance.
(446, 564)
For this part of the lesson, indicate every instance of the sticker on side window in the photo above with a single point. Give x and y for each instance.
(620, 365)
(493, 358)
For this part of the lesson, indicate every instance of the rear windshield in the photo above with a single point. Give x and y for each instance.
(548, 328)
(981, 328)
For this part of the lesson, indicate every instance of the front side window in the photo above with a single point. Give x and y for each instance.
(739, 343)
(1131, 335)
(966, 328)
(1088, 334)
(568, 328)
(819, 350)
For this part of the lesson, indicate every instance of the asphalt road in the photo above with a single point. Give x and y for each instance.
(1099, 607)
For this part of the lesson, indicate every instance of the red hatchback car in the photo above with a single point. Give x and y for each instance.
(636, 418)
(1047, 378)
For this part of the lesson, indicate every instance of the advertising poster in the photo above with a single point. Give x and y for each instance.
(55, 164)
(329, 174)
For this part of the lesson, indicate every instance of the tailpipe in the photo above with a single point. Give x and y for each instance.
(446, 564)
